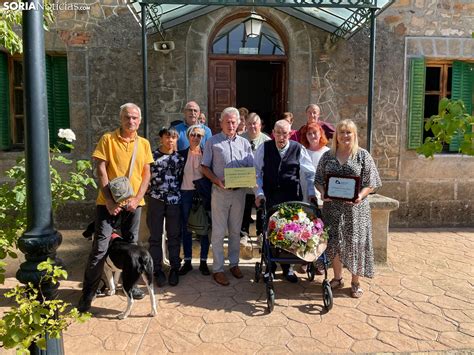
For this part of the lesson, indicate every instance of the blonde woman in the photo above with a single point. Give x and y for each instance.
(350, 225)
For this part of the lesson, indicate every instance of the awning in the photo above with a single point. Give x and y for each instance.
(341, 18)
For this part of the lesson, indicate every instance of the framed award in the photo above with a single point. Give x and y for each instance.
(342, 187)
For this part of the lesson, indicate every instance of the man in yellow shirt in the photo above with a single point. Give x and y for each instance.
(113, 156)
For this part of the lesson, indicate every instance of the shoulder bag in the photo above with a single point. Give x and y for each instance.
(120, 187)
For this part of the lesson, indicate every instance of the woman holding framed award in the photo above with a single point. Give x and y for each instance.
(345, 176)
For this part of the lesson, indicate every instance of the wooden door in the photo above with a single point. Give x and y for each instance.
(221, 90)
(278, 89)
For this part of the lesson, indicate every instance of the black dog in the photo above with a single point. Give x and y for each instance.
(132, 261)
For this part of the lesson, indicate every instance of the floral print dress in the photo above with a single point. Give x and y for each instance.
(350, 226)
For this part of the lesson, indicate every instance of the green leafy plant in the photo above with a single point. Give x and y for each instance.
(11, 18)
(34, 318)
(452, 120)
(73, 187)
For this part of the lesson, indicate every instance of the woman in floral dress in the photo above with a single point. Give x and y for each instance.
(350, 225)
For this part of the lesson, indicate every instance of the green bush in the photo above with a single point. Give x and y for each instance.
(451, 120)
(34, 318)
(73, 187)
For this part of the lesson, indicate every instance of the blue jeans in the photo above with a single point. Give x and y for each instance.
(186, 204)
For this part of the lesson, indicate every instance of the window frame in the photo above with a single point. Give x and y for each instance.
(417, 93)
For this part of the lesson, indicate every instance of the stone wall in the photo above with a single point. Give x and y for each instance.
(105, 70)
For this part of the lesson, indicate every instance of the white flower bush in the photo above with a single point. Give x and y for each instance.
(67, 134)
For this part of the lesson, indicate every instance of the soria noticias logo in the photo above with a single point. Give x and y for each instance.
(20, 6)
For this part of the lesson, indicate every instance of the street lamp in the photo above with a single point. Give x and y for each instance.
(253, 24)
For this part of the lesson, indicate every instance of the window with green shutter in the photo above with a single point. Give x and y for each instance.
(11, 99)
(58, 95)
(5, 141)
(416, 103)
(429, 82)
(462, 89)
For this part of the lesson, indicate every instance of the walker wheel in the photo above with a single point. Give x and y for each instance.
(258, 271)
(327, 295)
(270, 299)
(310, 270)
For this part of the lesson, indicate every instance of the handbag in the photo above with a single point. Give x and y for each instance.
(120, 188)
(198, 221)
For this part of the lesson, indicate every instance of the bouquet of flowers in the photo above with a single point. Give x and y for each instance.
(298, 231)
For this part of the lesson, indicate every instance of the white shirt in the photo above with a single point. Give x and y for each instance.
(307, 169)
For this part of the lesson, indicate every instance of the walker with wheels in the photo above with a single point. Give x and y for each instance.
(271, 253)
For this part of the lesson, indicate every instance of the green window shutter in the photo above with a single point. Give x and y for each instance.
(416, 102)
(58, 95)
(461, 89)
(50, 93)
(5, 140)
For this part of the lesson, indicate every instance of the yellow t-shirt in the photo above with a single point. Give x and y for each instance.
(117, 152)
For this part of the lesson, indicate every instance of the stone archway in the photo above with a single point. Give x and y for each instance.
(299, 56)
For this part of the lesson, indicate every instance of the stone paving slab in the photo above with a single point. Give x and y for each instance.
(421, 301)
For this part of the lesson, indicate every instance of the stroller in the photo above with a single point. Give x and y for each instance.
(270, 254)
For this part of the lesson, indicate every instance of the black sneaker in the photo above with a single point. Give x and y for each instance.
(160, 278)
(290, 276)
(187, 267)
(84, 305)
(137, 294)
(173, 277)
(203, 268)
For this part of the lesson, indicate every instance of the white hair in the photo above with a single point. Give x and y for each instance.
(230, 111)
(130, 105)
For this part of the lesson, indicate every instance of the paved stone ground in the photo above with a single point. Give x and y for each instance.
(422, 301)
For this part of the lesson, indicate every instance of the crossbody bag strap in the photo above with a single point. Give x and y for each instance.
(132, 162)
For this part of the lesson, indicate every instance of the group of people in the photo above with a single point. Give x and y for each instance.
(290, 167)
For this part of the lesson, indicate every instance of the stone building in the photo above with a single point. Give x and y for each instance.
(95, 64)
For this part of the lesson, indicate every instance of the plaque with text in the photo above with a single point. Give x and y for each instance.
(239, 177)
(342, 187)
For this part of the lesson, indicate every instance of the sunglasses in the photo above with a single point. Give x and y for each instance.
(195, 135)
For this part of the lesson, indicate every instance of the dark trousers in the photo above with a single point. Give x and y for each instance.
(249, 204)
(128, 223)
(157, 212)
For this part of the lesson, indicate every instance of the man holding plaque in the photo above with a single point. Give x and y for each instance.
(279, 164)
(226, 161)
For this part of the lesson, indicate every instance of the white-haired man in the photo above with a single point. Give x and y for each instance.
(279, 165)
(226, 150)
(113, 155)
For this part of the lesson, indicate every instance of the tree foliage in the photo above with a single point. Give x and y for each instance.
(11, 20)
(452, 120)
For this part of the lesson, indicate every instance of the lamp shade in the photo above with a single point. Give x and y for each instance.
(253, 25)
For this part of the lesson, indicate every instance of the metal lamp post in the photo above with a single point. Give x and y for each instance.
(40, 240)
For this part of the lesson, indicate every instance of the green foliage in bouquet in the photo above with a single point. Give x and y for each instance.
(293, 229)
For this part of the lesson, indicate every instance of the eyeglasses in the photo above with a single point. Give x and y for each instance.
(195, 135)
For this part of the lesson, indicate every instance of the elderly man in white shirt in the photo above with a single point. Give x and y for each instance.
(279, 165)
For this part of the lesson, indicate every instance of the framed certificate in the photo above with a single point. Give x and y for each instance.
(239, 177)
(342, 187)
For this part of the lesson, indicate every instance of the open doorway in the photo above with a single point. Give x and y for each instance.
(260, 88)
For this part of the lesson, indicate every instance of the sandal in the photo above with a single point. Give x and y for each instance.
(356, 290)
(336, 283)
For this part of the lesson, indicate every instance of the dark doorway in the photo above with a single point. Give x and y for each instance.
(259, 85)
(260, 88)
